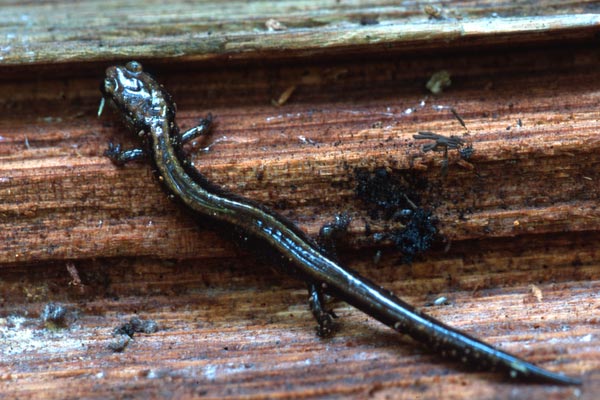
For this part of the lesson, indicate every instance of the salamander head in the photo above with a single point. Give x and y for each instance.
(141, 100)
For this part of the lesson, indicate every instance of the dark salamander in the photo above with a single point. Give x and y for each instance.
(150, 112)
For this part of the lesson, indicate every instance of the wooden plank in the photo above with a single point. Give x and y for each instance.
(227, 331)
(535, 176)
(230, 328)
(58, 32)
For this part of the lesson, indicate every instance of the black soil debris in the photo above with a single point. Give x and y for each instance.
(123, 334)
(394, 198)
(417, 236)
(388, 196)
(119, 344)
(136, 325)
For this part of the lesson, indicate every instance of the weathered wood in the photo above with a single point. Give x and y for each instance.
(59, 32)
(300, 159)
(229, 332)
(521, 266)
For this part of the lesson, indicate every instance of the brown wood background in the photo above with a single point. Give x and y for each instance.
(523, 217)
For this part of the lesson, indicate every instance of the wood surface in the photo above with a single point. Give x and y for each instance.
(518, 258)
(58, 31)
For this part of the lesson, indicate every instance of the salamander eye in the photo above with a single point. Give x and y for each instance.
(133, 66)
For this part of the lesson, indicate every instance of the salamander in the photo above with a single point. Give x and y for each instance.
(149, 111)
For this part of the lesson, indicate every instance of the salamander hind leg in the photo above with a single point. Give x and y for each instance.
(326, 326)
(332, 234)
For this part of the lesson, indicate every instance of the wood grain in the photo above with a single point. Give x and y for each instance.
(61, 32)
(535, 176)
(520, 263)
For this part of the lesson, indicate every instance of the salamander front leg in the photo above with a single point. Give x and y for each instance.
(120, 157)
(202, 128)
(324, 318)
